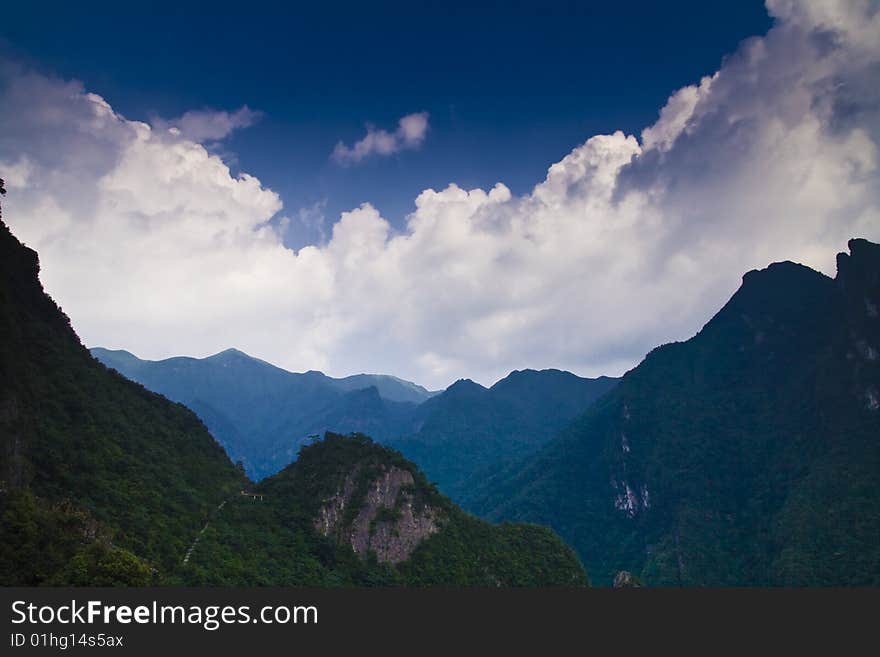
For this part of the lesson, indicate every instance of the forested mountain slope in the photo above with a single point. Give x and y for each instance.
(749, 454)
(101, 481)
(351, 512)
(469, 432)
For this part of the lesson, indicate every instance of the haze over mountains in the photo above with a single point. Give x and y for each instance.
(389, 387)
(262, 414)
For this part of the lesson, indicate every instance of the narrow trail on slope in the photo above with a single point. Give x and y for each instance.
(199, 535)
(253, 496)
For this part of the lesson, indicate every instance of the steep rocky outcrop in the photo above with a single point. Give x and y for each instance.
(626, 580)
(374, 518)
(387, 521)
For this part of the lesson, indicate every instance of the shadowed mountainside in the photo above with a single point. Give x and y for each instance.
(749, 454)
(469, 432)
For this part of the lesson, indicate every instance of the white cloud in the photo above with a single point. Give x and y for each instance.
(209, 125)
(151, 244)
(676, 116)
(411, 132)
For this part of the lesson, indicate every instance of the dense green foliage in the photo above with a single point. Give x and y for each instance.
(273, 540)
(321, 467)
(60, 544)
(262, 414)
(468, 432)
(747, 455)
(472, 552)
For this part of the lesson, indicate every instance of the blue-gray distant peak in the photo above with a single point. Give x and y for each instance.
(390, 387)
(469, 431)
(261, 413)
(232, 353)
(465, 386)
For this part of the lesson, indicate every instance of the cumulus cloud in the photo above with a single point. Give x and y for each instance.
(150, 243)
(410, 133)
(210, 125)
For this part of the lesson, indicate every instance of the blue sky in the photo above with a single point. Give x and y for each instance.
(561, 187)
(510, 87)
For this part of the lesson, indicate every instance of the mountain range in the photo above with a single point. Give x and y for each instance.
(263, 414)
(470, 432)
(105, 483)
(747, 455)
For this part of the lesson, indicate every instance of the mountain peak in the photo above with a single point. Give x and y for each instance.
(232, 352)
(776, 399)
(861, 263)
(785, 270)
(781, 289)
(465, 387)
(859, 247)
(390, 387)
(530, 374)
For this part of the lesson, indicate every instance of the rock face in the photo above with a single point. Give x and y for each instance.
(374, 519)
(626, 580)
(387, 520)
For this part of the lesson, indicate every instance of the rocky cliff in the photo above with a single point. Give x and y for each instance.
(388, 522)
(373, 513)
